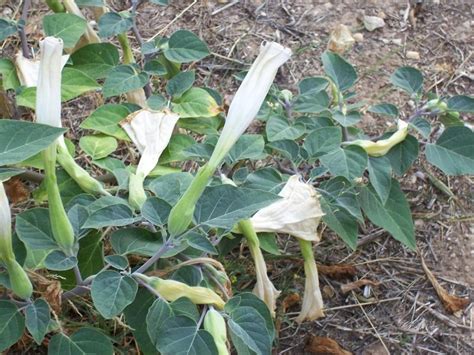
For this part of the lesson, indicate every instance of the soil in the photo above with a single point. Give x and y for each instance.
(403, 313)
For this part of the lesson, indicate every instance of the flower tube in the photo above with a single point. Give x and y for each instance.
(151, 132)
(48, 111)
(28, 69)
(19, 281)
(171, 290)
(382, 147)
(242, 111)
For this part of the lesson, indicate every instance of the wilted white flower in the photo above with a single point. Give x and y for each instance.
(250, 96)
(297, 213)
(28, 69)
(6, 250)
(151, 132)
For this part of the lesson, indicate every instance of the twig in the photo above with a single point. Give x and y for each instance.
(174, 20)
(21, 29)
(164, 248)
(225, 7)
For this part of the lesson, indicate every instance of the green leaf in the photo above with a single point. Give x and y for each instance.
(266, 179)
(349, 162)
(117, 261)
(96, 59)
(160, 2)
(155, 67)
(124, 78)
(58, 261)
(181, 335)
(170, 187)
(286, 147)
(106, 120)
(422, 126)
(408, 79)
(313, 84)
(135, 314)
(98, 147)
(380, 176)
(20, 140)
(183, 305)
(84, 341)
(248, 146)
(248, 332)
(394, 216)
(185, 47)
(224, 205)
(341, 222)
(37, 315)
(113, 23)
(68, 27)
(156, 211)
(311, 102)
(111, 292)
(453, 153)
(461, 103)
(341, 72)
(180, 83)
(135, 241)
(199, 242)
(322, 141)
(176, 149)
(9, 79)
(403, 155)
(91, 3)
(7, 28)
(339, 191)
(384, 109)
(34, 229)
(348, 119)
(12, 324)
(7, 173)
(159, 312)
(278, 128)
(196, 102)
(109, 211)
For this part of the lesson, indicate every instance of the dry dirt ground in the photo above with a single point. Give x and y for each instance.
(401, 312)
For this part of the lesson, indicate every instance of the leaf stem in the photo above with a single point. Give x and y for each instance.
(164, 248)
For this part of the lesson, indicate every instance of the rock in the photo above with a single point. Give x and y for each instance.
(359, 37)
(412, 55)
(328, 6)
(397, 41)
(371, 23)
(340, 39)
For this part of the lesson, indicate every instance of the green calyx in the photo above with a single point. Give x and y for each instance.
(19, 281)
(136, 192)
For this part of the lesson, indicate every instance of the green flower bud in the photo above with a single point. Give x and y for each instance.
(19, 281)
(214, 323)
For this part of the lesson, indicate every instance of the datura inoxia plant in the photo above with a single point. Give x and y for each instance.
(136, 208)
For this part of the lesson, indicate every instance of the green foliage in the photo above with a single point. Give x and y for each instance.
(12, 324)
(185, 47)
(68, 27)
(113, 23)
(124, 78)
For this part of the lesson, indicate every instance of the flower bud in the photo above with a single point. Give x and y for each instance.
(19, 281)
(215, 324)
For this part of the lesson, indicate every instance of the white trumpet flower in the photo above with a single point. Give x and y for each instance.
(151, 132)
(6, 249)
(28, 69)
(297, 213)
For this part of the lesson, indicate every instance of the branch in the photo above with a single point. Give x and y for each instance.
(164, 248)
(21, 29)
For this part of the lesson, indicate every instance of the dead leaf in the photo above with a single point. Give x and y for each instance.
(328, 291)
(337, 271)
(289, 301)
(451, 303)
(324, 346)
(376, 348)
(16, 190)
(340, 39)
(49, 289)
(357, 284)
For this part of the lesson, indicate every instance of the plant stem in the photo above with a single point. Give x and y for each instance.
(21, 29)
(164, 248)
(56, 5)
(127, 50)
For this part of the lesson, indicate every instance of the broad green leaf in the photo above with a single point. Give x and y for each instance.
(422, 126)
(341, 72)
(339, 191)
(96, 59)
(98, 147)
(156, 211)
(106, 119)
(311, 102)
(109, 211)
(170, 187)
(278, 128)
(183, 305)
(451, 119)
(176, 149)
(111, 292)
(180, 83)
(248, 332)
(286, 147)
(135, 314)
(66, 26)
(184, 47)
(158, 313)
(113, 23)
(341, 222)
(248, 146)
(157, 102)
(34, 229)
(37, 316)
(124, 78)
(349, 162)
(384, 109)
(181, 335)
(117, 261)
(224, 205)
(394, 215)
(199, 242)
(196, 102)
(266, 179)
(84, 341)
(7, 28)
(155, 67)
(380, 176)
(313, 84)
(461, 103)
(408, 79)
(453, 153)
(20, 140)
(7, 173)
(91, 3)
(8, 78)
(403, 155)
(135, 241)
(12, 324)
(58, 261)
(348, 119)
(322, 141)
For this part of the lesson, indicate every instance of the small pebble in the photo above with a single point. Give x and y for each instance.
(413, 55)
